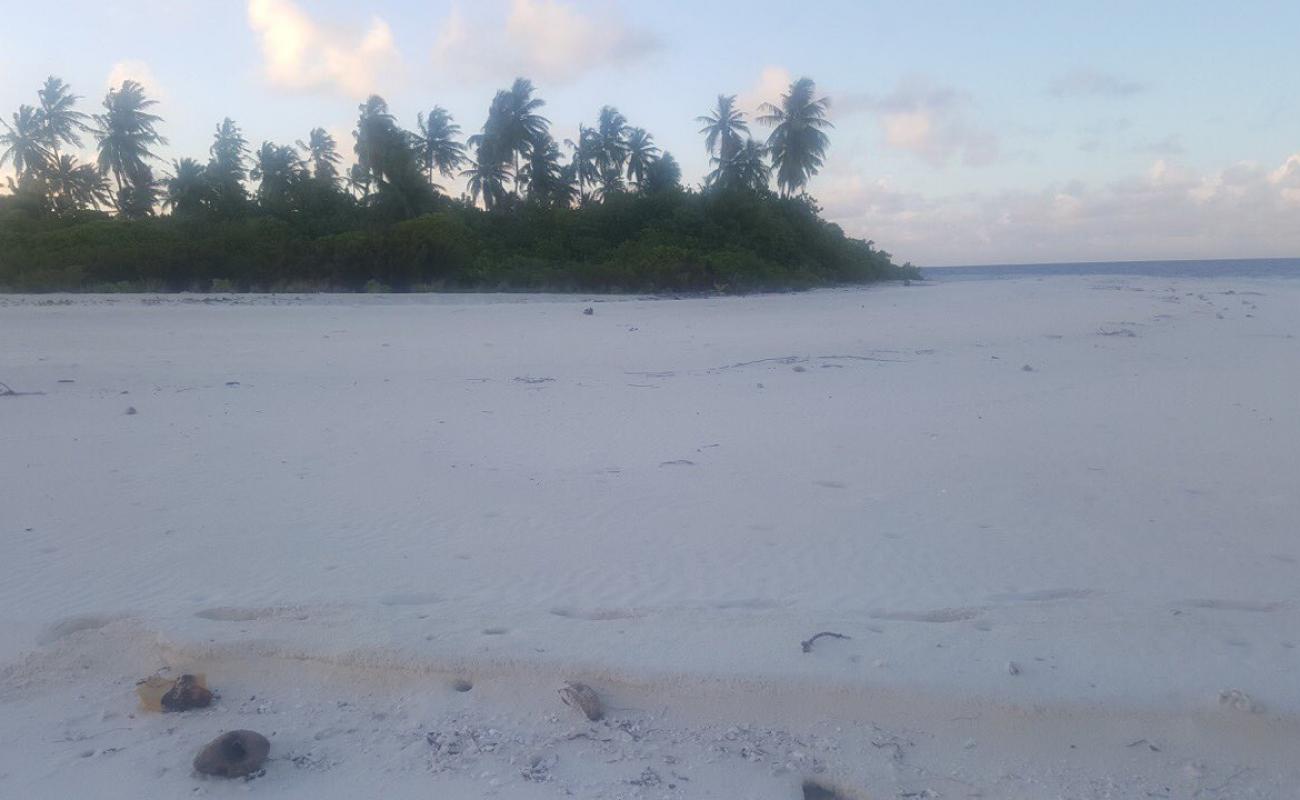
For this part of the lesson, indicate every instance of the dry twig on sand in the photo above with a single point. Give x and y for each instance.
(5, 391)
(807, 644)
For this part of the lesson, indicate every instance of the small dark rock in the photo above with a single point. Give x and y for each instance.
(814, 790)
(1026, 368)
(186, 694)
(130, 411)
(588, 311)
(234, 754)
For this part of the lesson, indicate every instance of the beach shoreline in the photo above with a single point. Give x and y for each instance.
(1042, 509)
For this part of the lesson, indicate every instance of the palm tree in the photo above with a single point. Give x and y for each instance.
(662, 175)
(750, 168)
(139, 196)
(546, 179)
(376, 134)
(641, 153)
(798, 142)
(280, 171)
(487, 179)
(611, 148)
(387, 155)
(582, 167)
(746, 169)
(188, 190)
(74, 186)
(24, 143)
(437, 144)
(358, 182)
(512, 125)
(228, 167)
(60, 122)
(723, 128)
(322, 153)
(126, 133)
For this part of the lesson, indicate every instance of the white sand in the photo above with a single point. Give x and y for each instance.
(342, 505)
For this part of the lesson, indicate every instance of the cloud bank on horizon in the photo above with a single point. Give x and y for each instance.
(985, 137)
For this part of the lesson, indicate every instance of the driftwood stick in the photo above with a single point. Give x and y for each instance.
(808, 643)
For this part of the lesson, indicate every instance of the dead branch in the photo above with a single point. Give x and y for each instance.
(808, 643)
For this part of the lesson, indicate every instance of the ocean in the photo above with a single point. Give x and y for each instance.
(1214, 268)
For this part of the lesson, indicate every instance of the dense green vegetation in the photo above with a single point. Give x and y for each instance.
(612, 217)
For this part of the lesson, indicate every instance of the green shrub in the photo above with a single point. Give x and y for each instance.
(672, 241)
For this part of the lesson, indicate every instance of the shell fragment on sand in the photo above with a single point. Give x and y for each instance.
(584, 698)
(234, 754)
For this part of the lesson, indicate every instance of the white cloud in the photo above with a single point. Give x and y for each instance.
(773, 82)
(1169, 211)
(300, 54)
(1091, 83)
(547, 40)
(137, 71)
(931, 122)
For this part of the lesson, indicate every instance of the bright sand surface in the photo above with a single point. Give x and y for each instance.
(1059, 519)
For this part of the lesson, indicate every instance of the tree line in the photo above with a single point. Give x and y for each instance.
(512, 159)
(513, 166)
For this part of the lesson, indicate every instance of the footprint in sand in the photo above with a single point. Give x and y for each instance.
(72, 625)
(410, 599)
(831, 484)
(1233, 605)
(934, 615)
(596, 614)
(495, 631)
(1041, 596)
(234, 614)
(751, 604)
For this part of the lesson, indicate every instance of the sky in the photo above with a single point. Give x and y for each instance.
(965, 132)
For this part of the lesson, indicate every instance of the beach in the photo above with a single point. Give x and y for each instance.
(1056, 519)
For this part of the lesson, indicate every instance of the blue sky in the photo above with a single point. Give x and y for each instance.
(966, 132)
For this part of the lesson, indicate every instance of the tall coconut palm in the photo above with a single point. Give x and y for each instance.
(798, 142)
(25, 144)
(746, 169)
(641, 153)
(127, 133)
(611, 147)
(358, 182)
(436, 142)
(750, 167)
(512, 125)
(228, 168)
(487, 179)
(139, 196)
(188, 191)
(723, 128)
(322, 154)
(74, 186)
(376, 134)
(544, 176)
(279, 170)
(583, 166)
(60, 121)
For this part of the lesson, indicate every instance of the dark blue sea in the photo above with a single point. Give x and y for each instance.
(1217, 268)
